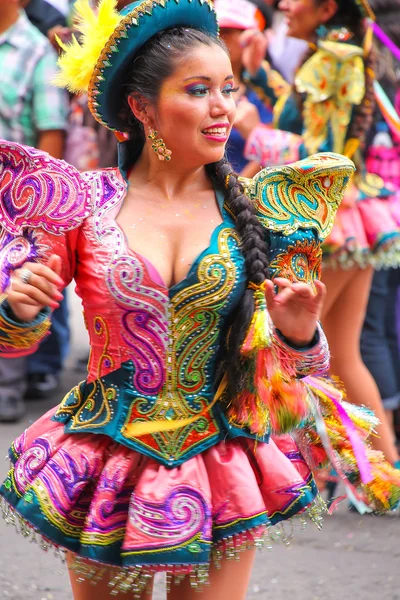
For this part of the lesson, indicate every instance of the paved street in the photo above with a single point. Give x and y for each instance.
(353, 558)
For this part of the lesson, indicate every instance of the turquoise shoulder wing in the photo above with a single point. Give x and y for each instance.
(302, 195)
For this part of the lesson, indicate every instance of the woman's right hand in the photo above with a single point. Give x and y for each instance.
(27, 299)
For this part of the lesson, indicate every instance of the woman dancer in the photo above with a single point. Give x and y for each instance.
(151, 464)
(331, 106)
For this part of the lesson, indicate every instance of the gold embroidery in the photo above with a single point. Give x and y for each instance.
(193, 318)
(18, 337)
(81, 409)
(300, 261)
(305, 194)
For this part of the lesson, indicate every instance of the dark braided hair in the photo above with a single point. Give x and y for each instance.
(156, 61)
(348, 15)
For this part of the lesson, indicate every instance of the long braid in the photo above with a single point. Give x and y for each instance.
(156, 61)
(363, 114)
(255, 250)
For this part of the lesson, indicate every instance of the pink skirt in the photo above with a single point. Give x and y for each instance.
(366, 232)
(114, 507)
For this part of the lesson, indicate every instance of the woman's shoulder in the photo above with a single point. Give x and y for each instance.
(302, 195)
(37, 190)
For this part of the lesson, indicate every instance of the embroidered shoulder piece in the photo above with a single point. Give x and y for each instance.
(333, 80)
(305, 194)
(37, 190)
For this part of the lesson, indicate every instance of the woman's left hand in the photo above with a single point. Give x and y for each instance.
(295, 308)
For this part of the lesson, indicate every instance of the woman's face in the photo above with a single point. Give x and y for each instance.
(303, 17)
(196, 108)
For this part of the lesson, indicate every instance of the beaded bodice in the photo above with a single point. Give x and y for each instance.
(154, 350)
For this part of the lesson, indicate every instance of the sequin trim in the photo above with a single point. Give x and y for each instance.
(40, 191)
(304, 362)
(137, 579)
(385, 255)
(302, 195)
(16, 339)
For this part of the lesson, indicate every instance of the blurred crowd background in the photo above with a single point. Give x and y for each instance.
(34, 112)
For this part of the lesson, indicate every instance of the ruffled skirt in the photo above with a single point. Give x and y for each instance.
(365, 232)
(110, 505)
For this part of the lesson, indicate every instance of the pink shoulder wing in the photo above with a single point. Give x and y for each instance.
(37, 190)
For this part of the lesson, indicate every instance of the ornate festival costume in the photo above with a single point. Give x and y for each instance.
(328, 87)
(149, 465)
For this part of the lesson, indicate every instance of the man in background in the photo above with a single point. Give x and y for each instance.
(284, 53)
(32, 112)
(44, 15)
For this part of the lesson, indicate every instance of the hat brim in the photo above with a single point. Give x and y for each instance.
(142, 20)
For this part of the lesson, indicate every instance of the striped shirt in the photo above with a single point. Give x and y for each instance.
(29, 103)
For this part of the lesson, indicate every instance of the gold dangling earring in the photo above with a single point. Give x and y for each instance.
(159, 146)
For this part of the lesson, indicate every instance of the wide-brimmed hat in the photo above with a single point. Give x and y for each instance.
(110, 39)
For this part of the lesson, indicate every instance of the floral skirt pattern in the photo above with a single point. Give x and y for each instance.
(112, 506)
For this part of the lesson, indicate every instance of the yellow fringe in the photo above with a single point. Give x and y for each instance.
(258, 335)
(79, 59)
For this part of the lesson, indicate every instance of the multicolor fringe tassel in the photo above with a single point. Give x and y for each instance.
(338, 433)
(272, 399)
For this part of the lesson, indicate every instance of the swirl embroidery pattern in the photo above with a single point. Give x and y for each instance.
(182, 519)
(142, 314)
(14, 251)
(301, 261)
(153, 356)
(37, 190)
(193, 335)
(304, 195)
(144, 307)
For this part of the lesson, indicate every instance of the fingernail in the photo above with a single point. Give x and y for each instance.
(59, 296)
(54, 305)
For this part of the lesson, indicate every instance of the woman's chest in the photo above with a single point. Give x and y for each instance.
(170, 236)
(132, 315)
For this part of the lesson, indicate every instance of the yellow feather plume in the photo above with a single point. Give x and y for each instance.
(79, 59)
